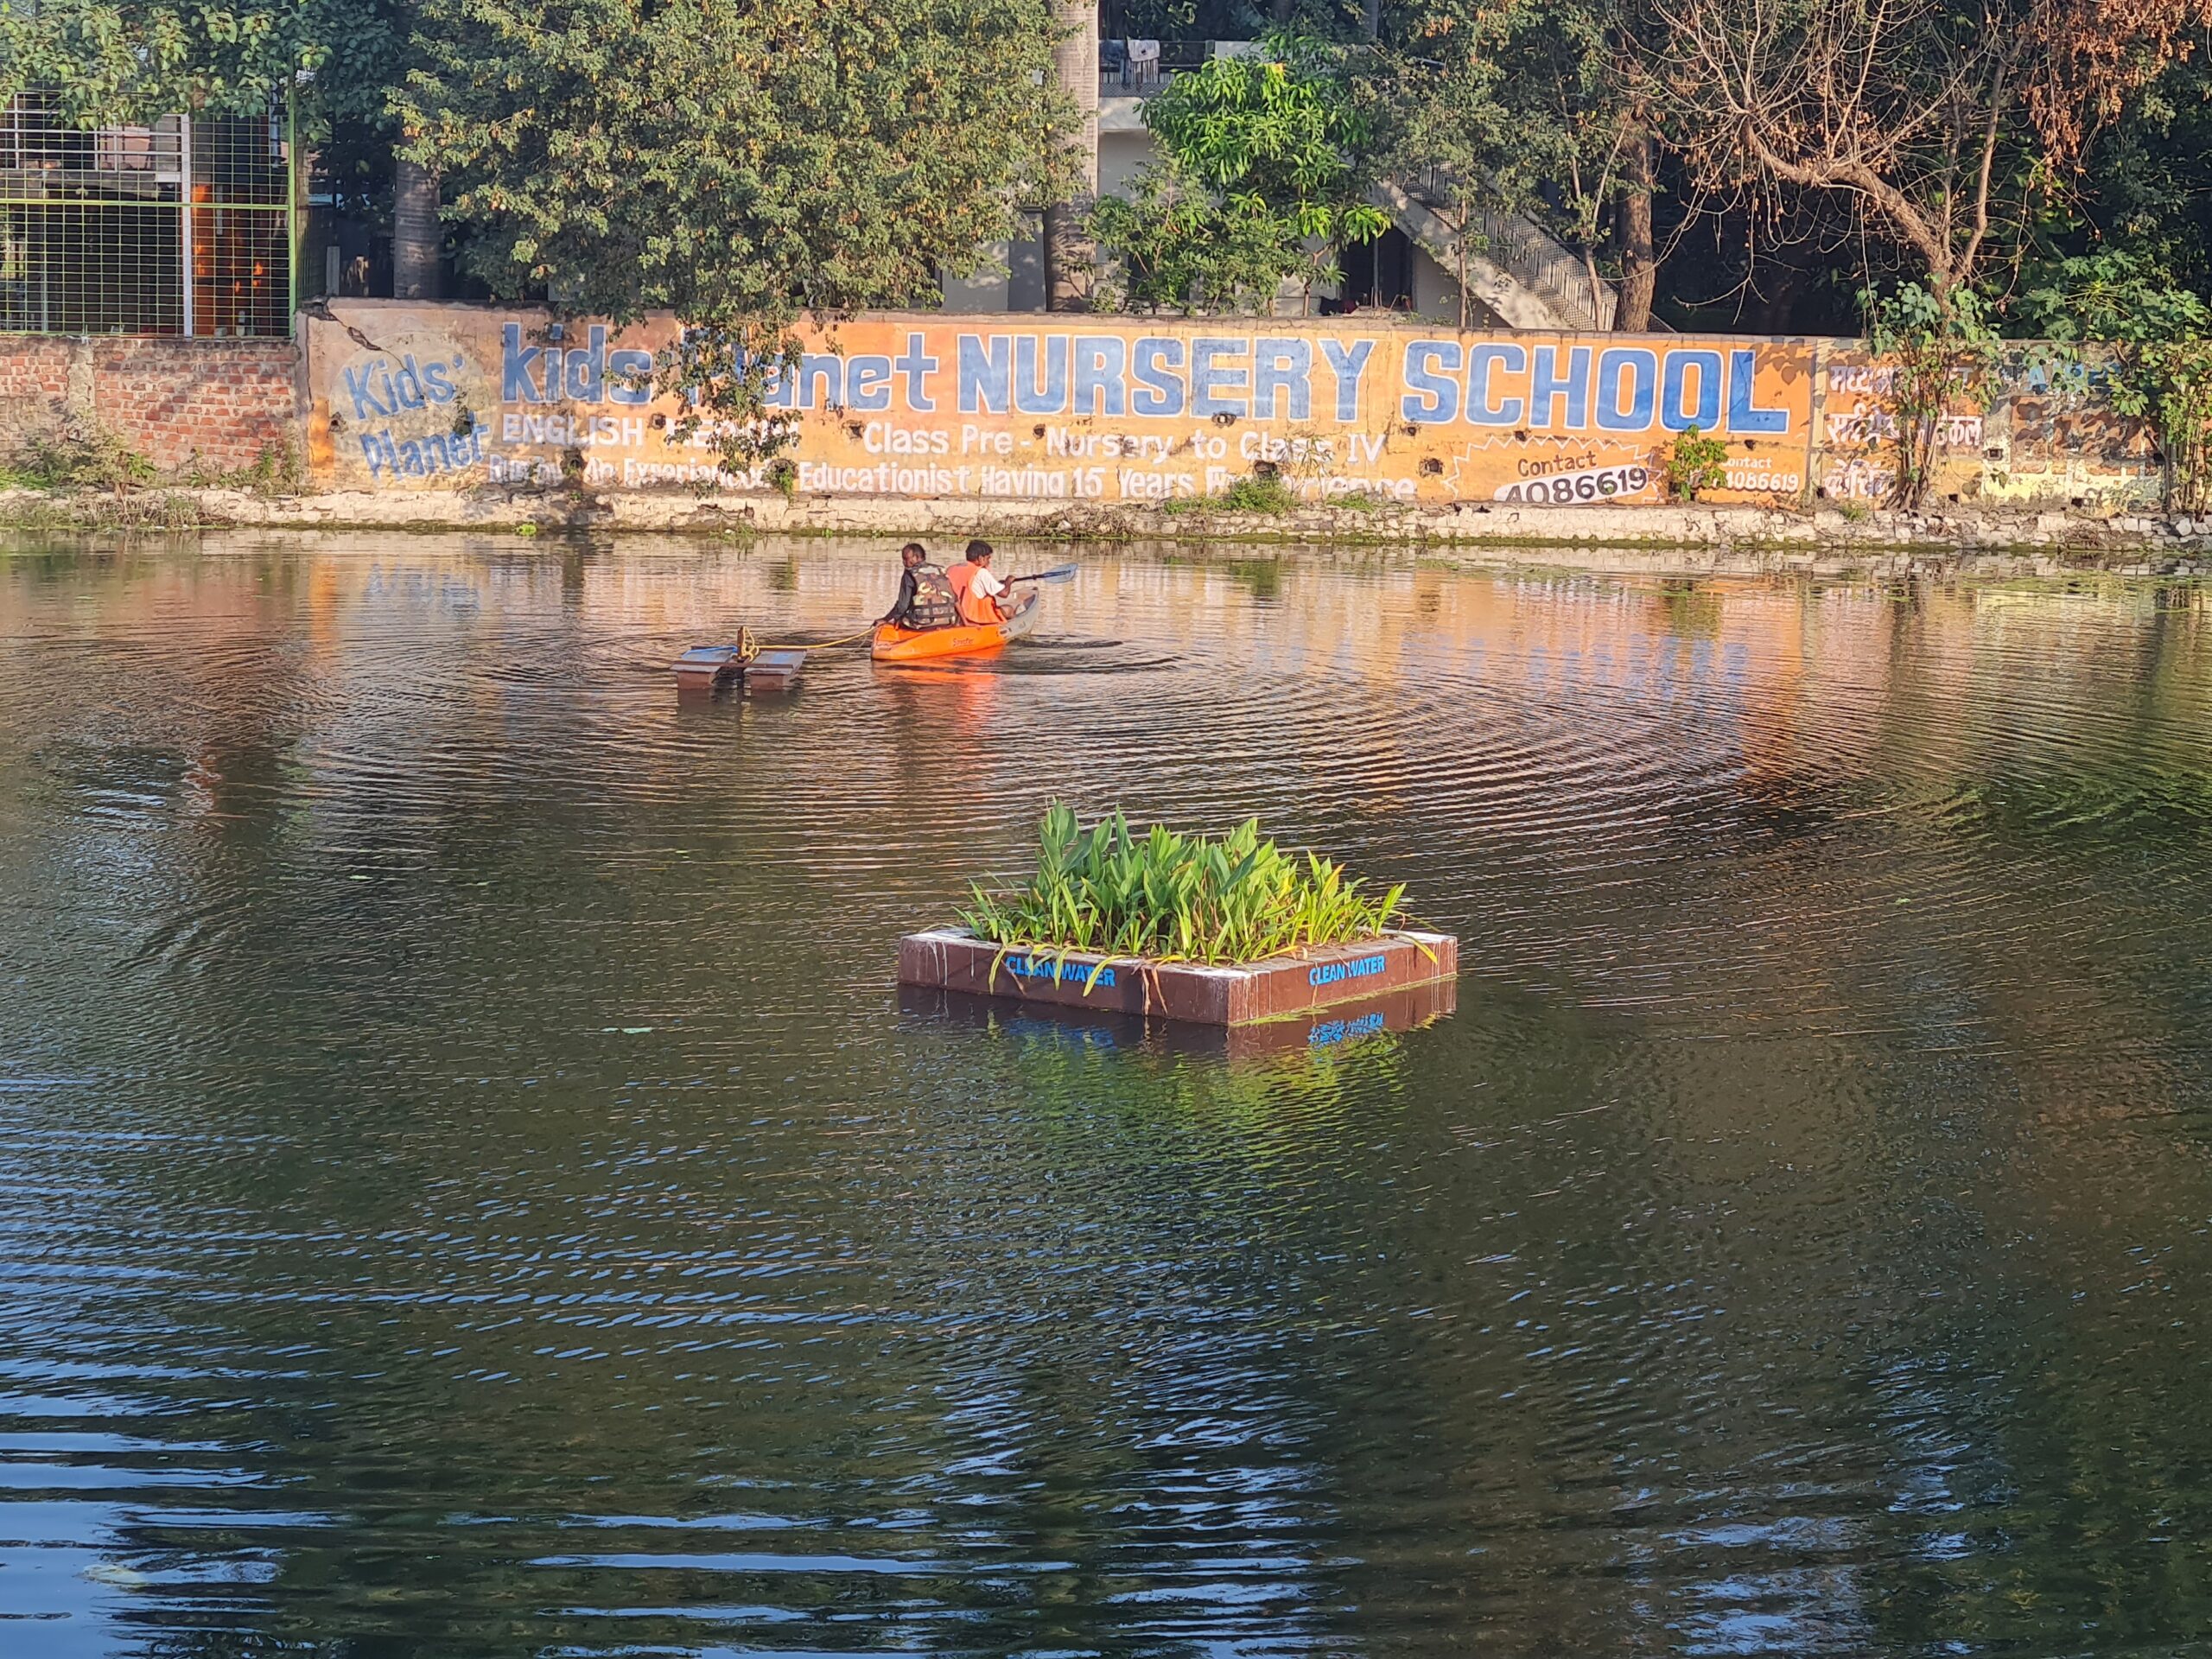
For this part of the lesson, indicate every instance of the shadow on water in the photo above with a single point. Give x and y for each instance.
(473, 1188)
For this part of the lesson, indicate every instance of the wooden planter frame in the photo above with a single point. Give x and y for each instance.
(1282, 987)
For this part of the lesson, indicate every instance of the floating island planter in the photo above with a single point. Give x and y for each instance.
(1227, 932)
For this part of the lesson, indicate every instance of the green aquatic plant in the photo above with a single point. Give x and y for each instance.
(1109, 891)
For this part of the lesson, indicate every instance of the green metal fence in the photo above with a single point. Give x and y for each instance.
(188, 226)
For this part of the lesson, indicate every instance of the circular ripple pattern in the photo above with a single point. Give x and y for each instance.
(472, 1188)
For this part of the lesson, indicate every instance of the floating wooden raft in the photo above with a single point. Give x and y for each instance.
(775, 670)
(703, 668)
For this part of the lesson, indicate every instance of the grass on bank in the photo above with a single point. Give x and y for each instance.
(1110, 891)
(1268, 494)
(91, 457)
(1256, 492)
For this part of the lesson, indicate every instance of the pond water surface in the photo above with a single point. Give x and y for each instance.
(470, 1188)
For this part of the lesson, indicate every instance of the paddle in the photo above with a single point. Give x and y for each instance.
(1059, 573)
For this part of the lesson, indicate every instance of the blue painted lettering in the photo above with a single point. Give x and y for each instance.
(1161, 391)
(1546, 386)
(1285, 367)
(1212, 381)
(519, 382)
(867, 383)
(1349, 364)
(1045, 395)
(1744, 415)
(367, 405)
(1099, 363)
(983, 370)
(1640, 367)
(1676, 412)
(1434, 399)
(1050, 968)
(586, 368)
(1480, 408)
(629, 377)
(825, 371)
(1331, 972)
(439, 383)
(917, 366)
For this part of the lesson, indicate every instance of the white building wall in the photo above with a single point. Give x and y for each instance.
(1011, 278)
(1436, 291)
(1120, 155)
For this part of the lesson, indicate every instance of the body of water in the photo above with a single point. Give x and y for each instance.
(469, 1185)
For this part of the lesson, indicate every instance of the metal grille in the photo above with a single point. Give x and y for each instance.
(183, 227)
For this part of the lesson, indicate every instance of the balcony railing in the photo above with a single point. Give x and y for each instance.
(1120, 76)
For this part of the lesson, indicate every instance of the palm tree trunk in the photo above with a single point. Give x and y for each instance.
(1069, 259)
(416, 235)
(1639, 260)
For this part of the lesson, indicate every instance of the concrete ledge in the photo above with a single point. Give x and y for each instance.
(951, 959)
(1825, 540)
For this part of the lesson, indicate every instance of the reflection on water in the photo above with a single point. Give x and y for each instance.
(472, 1186)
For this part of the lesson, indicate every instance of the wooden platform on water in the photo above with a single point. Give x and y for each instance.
(709, 668)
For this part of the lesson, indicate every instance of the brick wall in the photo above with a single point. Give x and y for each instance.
(34, 385)
(215, 402)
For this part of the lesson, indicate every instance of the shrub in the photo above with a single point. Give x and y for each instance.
(1941, 352)
(1260, 492)
(1173, 898)
(1176, 247)
(276, 470)
(2159, 334)
(1696, 462)
(91, 459)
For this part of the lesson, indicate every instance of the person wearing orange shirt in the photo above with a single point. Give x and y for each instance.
(962, 573)
(980, 593)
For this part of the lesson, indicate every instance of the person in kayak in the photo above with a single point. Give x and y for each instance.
(925, 599)
(962, 573)
(981, 595)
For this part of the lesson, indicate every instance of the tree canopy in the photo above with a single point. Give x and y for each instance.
(1264, 178)
(733, 157)
(755, 158)
(114, 60)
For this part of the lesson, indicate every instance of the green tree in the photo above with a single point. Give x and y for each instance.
(120, 60)
(102, 61)
(737, 161)
(2158, 335)
(2148, 181)
(1942, 350)
(1535, 106)
(1943, 123)
(1180, 247)
(1277, 132)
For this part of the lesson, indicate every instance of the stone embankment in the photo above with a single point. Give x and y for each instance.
(1689, 536)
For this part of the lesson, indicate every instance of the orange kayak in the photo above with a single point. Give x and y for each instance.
(894, 644)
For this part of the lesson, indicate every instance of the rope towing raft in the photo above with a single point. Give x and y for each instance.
(756, 666)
